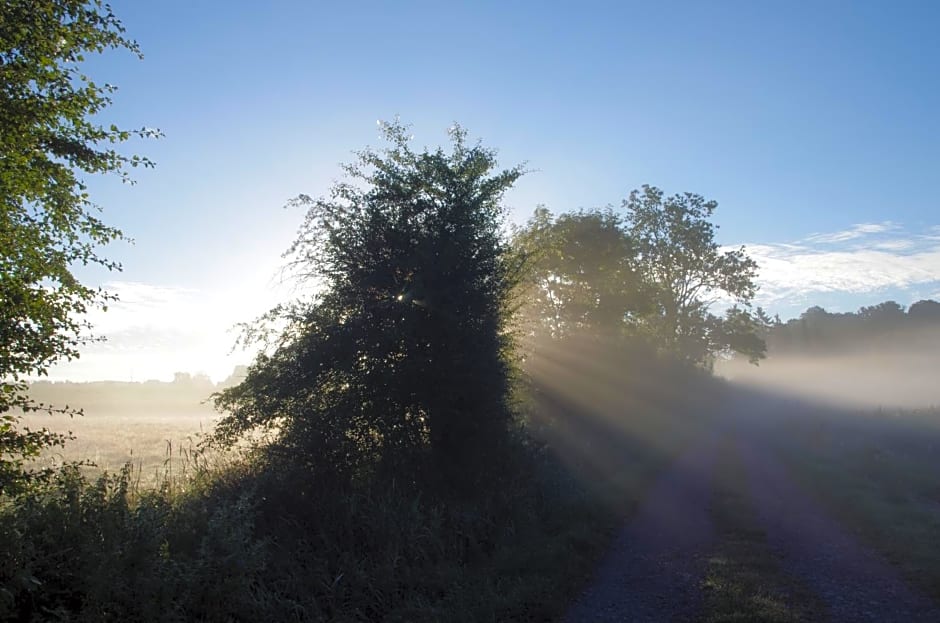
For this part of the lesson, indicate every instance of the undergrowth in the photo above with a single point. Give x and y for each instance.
(247, 537)
(248, 541)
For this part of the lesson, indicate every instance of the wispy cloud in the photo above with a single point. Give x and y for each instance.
(894, 245)
(863, 259)
(859, 230)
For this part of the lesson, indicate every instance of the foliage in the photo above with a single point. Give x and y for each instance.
(925, 311)
(49, 135)
(653, 272)
(404, 351)
(249, 544)
(581, 273)
(882, 327)
(253, 540)
(739, 331)
(689, 271)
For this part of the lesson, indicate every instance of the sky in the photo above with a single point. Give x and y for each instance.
(814, 126)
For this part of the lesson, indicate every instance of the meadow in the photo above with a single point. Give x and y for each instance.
(153, 443)
(878, 472)
(875, 473)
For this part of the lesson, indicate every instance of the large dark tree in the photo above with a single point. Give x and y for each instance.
(399, 364)
(51, 133)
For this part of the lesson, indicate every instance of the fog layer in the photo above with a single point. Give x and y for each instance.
(902, 372)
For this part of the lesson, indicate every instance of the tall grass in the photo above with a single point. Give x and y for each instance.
(243, 537)
(235, 540)
(878, 473)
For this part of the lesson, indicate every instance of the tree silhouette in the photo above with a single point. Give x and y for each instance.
(884, 325)
(887, 313)
(400, 365)
(926, 311)
(582, 274)
(652, 273)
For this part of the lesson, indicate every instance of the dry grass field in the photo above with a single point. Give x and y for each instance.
(151, 442)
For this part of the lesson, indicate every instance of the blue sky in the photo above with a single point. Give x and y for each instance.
(814, 126)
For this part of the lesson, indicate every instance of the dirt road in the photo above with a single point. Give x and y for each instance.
(655, 567)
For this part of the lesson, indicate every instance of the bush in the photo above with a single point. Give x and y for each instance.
(268, 543)
(399, 368)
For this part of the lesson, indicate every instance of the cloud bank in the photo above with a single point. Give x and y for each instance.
(864, 259)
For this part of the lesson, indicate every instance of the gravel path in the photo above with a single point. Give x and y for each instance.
(655, 566)
(850, 578)
(654, 569)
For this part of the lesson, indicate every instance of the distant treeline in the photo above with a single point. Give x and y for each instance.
(185, 392)
(885, 326)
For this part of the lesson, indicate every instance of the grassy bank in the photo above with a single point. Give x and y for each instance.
(239, 541)
(877, 472)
